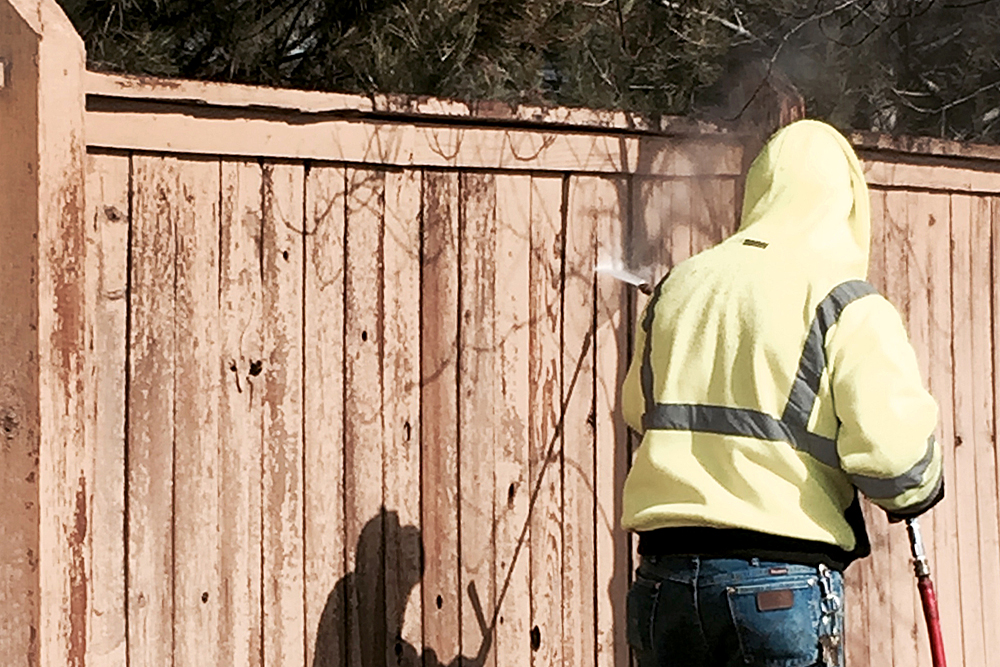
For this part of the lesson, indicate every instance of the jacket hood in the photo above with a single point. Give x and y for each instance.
(806, 193)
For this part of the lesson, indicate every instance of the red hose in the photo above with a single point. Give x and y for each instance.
(929, 600)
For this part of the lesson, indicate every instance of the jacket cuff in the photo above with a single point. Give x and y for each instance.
(895, 516)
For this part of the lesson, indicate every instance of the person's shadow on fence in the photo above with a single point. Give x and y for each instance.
(356, 626)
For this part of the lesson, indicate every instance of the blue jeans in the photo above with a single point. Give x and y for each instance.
(690, 611)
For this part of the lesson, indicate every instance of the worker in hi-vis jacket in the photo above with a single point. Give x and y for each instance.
(770, 384)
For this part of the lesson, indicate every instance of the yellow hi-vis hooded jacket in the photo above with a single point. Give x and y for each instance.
(769, 380)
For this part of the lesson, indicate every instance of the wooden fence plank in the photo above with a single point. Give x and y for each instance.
(879, 591)
(992, 609)
(679, 221)
(439, 415)
(108, 230)
(611, 440)
(150, 413)
(241, 416)
(859, 577)
(647, 250)
(578, 443)
(401, 401)
(363, 430)
(197, 587)
(512, 487)
(945, 550)
(545, 392)
(897, 571)
(918, 231)
(323, 404)
(962, 303)
(282, 579)
(983, 424)
(476, 414)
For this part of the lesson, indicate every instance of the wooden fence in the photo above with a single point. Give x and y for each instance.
(311, 379)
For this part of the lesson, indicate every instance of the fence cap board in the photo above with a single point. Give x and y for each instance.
(400, 107)
(875, 142)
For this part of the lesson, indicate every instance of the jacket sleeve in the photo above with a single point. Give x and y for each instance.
(633, 401)
(885, 442)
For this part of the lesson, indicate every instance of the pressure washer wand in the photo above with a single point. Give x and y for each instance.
(928, 598)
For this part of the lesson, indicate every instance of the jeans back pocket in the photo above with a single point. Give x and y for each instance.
(777, 621)
(641, 608)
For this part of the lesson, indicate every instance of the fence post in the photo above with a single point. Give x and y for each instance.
(43, 462)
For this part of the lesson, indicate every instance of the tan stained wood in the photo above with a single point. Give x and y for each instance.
(679, 221)
(899, 256)
(992, 610)
(983, 420)
(231, 95)
(545, 393)
(323, 404)
(477, 415)
(20, 586)
(403, 144)
(401, 416)
(879, 583)
(439, 415)
(918, 231)
(944, 552)
(241, 416)
(107, 254)
(647, 251)
(373, 142)
(197, 371)
(937, 177)
(608, 208)
(282, 476)
(859, 578)
(49, 488)
(363, 426)
(512, 486)
(578, 434)
(973, 638)
(150, 411)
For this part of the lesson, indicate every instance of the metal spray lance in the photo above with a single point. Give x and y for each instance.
(928, 598)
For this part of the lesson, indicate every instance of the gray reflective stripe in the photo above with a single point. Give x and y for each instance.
(646, 371)
(724, 420)
(813, 359)
(878, 488)
(792, 427)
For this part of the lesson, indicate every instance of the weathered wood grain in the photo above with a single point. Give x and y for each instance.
(282, 476)
(896, 563)
(983, 414)
(363, 429)
(439, 415)
(545, 394)
(323, 406)
(476, 412)
(583, 212)
(197, 585)
(107, 256)
(680, 220)
(879, 588)
(401, 417)
(152, 355)
(609, 205)
(241, 416)
(962, 304)
(512, 487)
(648, 246)
(945, 550)
(918, 227)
